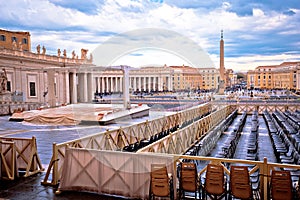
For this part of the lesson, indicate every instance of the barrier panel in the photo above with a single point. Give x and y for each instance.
(8, 169)
(261, 106)
(128, 174)
(111, 172)
(116, 139)
(26, 158)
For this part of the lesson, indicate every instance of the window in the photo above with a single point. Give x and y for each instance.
(2, 38)
(32, 89)
(8, 86)
(258, 77)
(14, 39)
(24, 41)
(269, 77)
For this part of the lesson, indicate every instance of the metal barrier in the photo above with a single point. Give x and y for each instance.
(20, 155)
(116, 139)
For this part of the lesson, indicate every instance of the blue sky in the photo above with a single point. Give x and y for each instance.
(256, 32)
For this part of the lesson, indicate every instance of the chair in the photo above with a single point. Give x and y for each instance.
(214, 185)
(160, 183)
(240, 186)
(281, 185)
(188, 180)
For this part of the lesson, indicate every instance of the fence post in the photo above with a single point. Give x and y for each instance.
(265, 174)
(55, 165)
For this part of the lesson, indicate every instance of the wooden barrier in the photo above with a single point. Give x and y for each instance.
(260, 106)
(111, 172)
(179, 141)
(8, 160)
(26, 157)
(122, 171)
(116, 139)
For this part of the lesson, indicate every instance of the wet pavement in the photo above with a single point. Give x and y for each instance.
(31, 188)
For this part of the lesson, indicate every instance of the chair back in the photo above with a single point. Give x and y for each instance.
(159, 180)
(214, 182)
(188, 177)
(281, 185)
(240, 186)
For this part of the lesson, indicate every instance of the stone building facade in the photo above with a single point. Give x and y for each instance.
(15, 40)
(283, 76)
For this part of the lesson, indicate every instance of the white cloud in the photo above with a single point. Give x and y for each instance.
(71, 29)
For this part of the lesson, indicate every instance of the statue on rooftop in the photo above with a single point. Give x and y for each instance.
(58, 52)
(83, 53)
(65, 53)
(38, 49)
(73, 54)
(3, 81)
(14, 45)
(44, 50)
(20, 46)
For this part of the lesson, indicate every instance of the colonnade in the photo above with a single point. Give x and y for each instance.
(83, 85)
(136, 83)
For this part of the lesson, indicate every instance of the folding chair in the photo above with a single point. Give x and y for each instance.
(281, 185)
(188, 180)
(239, 185)
(160, 183)
(215, 186)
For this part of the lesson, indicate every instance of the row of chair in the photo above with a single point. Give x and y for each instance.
(252, 145)
(293, 119)
(283, 148)
(133, 147)
(282, 121)
(215, 184)
(196, 147)
(229, 146)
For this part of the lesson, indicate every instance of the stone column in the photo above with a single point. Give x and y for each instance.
(154, 83)
(80, 87)
(169, 83)
(134, 83)
(121, 84)
(126, 98)
(139, 83)
(85, 88)
(73, 87)
(102, 84)
(67, 87)
(144, 82)
(90, 87)
(160, 83)
(106, 86)
(51, 89)
(149, 83)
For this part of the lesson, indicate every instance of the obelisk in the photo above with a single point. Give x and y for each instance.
(222, 68)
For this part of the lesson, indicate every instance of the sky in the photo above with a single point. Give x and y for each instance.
(256, 32)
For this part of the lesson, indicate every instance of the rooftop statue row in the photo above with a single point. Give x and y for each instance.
(74, 56)
(41, 54)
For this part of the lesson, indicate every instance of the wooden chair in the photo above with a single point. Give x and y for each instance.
(160, 183)
(281, 185)
(239, 185)
(188, 180)
(215, 185)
